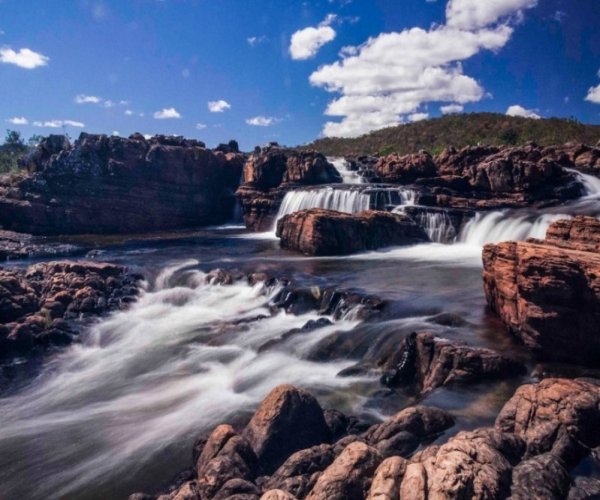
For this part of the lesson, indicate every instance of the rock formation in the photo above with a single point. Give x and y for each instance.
(107, 184)
(272, 171)
(326, 232)
(547, 292)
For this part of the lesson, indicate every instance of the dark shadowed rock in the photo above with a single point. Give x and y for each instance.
(424, 362)
(584, 488)
(288, 420)
(327, 232)
(543, 476)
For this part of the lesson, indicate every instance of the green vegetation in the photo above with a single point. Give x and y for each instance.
(459, 131)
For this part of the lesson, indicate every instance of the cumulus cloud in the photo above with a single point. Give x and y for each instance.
(200, 126)
(475, 14)
(167, 114)
(517, 110)
(451, 108)
(87, 99)
(24, 58)
(388, 78)
(262, 121)
(305, 43)
(128, 112)
(417, 117)
(218, 106)
(593, 95)
(18, 120)
(58, 124)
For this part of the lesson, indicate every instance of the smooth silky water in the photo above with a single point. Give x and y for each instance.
(119, 411)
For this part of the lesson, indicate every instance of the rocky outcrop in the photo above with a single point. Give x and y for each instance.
(107, 184)
(547, 292)
(405, 169)
(39, 305)
(270, 173)
(326, 232)
(424, 362)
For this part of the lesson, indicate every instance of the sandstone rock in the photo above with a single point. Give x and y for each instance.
(584, 488)
(543, 476)
(424, 362)
(277, 495)
(349, 476)
(114, 185)
(326, 232)
(405, 169)
(556, 415)
(548, 292)
(288, 420)
(387, 479)
(36, 303)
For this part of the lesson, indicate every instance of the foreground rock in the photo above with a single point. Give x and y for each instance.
(107, 184)
(425, 362)
(38, 305)
(547, 292)
(326, 232)
(541, 434)
(270, 173)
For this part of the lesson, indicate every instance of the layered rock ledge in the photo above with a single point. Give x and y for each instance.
(547, 292)
(327, 232)
(104, 184)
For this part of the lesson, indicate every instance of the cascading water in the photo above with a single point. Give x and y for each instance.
(348, 176)
(342, 200)
(143, 380)
(438, 226)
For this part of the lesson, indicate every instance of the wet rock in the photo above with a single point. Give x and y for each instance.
(424, 362)
(349, 476)
(584, 488)
(387, 479)
(107, 184)
(39, 305)
(327, 232)
(272, 171)
(543, 476)
(23, 246)
(547, 292)
(556, 415)
(288, 420)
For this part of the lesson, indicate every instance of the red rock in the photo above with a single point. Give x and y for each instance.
(326, 232)
(405, 169)
(548, 292)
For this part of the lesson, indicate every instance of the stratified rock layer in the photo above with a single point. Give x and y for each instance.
(327, 232)
(547, 292)
(114, 185)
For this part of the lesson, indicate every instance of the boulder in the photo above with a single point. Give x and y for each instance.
(405, 169)
(287, 420)
(387, 478)
(559, 416)
(543, 476)
(424, 362)
(327, 232)
(547, 292)
(111, 184)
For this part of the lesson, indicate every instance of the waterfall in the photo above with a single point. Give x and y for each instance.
(503, 225)
(590, 183)
(342, 200)
(349, 176)
(438, 226)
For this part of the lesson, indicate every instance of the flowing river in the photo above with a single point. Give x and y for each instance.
(119, 411)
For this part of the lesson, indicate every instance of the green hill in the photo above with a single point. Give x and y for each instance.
(459, 131)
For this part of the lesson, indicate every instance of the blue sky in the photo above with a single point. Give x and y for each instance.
(289, 70)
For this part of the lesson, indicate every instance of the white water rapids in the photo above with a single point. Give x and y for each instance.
(348, 176)
(148, 377)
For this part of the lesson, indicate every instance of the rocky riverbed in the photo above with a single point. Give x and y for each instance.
(422, 328)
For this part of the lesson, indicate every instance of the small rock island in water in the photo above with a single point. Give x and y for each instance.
(394, 311)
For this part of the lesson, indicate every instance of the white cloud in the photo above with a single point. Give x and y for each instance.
(218, 106)
(128, 112)
(24, 58)
(200, 126)
(517, 110)
(305, 43)
(256, 40)
(167, 114)
(18, 120)
(593, 94)
(476, 14)
(451, 108)
(115, 133)
(417, 117)
(148, 136)
(262, 121)
(58, 124)
(87, 99)
(392, 75)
